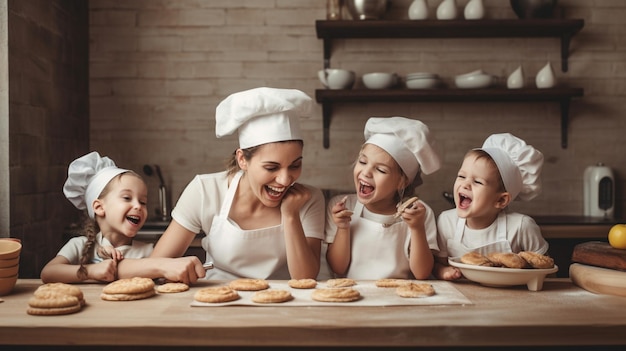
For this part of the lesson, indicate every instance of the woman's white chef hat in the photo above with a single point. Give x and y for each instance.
(519, 164)
(86, 178)
(262, 115)
(408, 141)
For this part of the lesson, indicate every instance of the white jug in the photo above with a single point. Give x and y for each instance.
(516, 79)
(474, 10)
(599, 191)
(447, 10)
(418, 10)
(545, 77)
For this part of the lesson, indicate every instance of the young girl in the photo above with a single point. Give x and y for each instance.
(504, 169)
(365, 238)
(115, 200)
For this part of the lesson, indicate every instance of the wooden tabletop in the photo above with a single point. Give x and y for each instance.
(560, 314)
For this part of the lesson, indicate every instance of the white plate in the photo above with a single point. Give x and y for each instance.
(473, 81)
(503, 277)
(422, 83)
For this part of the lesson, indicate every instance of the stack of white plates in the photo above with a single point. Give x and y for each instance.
(422, 80)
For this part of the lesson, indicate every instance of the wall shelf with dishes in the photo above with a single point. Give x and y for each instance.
(565, 29)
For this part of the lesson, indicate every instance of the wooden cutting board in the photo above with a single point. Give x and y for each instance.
(598, 280)
(601, 254)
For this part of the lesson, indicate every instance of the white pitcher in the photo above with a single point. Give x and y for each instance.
(418, 10)
(474, 10)
(516, 79)
(545, 77)
(447, 10)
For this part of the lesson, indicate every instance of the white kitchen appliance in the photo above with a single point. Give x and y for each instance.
(599, 191)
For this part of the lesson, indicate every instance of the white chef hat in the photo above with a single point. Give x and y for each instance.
(408, 141)
(519, 164)
(86, 178)
(262, 115)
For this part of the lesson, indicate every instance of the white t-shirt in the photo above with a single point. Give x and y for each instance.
(522, 233)
(202, 199)
(73, 249)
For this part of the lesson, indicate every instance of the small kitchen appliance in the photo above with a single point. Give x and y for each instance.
(599, 191)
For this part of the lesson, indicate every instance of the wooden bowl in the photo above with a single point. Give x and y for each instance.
(9, 262)
(9, 249)
(7, 285)
(9, 271)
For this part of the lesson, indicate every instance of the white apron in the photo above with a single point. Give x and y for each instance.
(238, 253)
(377, 252)
(456, 248)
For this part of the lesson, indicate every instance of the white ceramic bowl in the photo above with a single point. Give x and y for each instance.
(422, 83)
(503, 277)
(379, 80)
(335, 78)
(474, 81)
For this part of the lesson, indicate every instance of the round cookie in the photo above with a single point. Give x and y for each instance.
(60, 289)
(272, 296)
(53, 304)
(172, 288)
(216, 294)
(415, 290)
(35, 311)
(340, 282)
(248, 284)
(302, 283)
(477, 259)
(537, 260)
(404, 206)
(335, 295)
(507, 259)
(390, 282)
(128, 297)
(134, 285)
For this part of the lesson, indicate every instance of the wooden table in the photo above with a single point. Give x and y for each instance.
(560, 314)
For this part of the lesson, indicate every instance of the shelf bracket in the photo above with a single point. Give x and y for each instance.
(327, 49)
(326, 114)
(565, 41)
(564, 121)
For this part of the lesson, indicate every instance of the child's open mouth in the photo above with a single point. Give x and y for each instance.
(365, 188)
(133, 219)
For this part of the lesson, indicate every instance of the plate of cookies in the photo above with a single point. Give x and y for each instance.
(505, 269)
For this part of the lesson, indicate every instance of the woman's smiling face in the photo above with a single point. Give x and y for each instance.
(272, 169)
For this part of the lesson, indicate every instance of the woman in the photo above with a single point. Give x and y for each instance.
(259, 222)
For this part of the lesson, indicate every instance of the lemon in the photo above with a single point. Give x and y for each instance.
(617, 236)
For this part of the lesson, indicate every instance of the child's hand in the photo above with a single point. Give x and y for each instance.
(105, 271)
(341, 215)
(450, 273)
(106, 252)
(415, 215)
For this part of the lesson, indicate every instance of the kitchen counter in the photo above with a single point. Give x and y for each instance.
(560, 314)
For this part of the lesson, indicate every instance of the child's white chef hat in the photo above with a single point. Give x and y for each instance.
(408, 141)
(262, 115)
(86, 178)
(519, 164)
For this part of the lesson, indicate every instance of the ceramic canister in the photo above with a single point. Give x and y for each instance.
(599, 191)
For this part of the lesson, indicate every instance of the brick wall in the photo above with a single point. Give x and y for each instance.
(48, 120)
(159, 68)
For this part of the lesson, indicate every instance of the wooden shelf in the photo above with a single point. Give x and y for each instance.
(564, 29)
(563, 96)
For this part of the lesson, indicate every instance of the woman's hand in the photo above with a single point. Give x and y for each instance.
(341, 215)
(105, 271)
(297, 195)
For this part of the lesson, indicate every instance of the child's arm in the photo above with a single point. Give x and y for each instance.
(421, 259)
(338, 253)
(60, 270)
